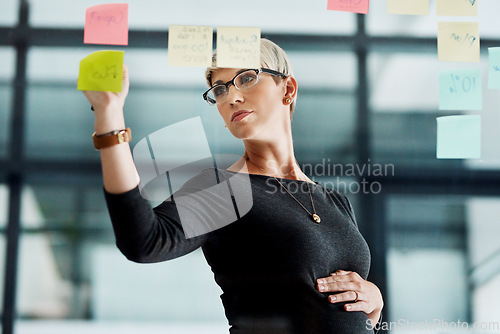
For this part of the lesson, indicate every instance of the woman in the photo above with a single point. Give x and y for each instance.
(295, 262)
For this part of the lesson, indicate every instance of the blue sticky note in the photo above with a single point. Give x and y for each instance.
(494, 68)
(460, 89)
(459, 137)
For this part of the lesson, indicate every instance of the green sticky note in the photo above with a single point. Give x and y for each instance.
(459, 137)
(494, 68)
(101, 71)
(460, 89)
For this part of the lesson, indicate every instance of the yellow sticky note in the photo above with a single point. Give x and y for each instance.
(458, 41)
(190, 46)
(238, 47)
(101, 71)
(408, 7)
(456, 7)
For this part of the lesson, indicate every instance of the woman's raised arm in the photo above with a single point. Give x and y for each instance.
(118, 168)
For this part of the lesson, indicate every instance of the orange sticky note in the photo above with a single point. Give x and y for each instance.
(106, 24)
(354, 6)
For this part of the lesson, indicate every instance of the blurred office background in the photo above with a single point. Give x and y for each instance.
(368, 94)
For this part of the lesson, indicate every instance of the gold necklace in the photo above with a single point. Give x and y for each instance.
(314, 215)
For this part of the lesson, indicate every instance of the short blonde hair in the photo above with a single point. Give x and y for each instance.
(271, 56)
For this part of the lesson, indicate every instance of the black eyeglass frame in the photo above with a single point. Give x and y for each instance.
(257, 71)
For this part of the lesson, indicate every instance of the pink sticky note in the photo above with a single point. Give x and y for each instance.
(354, 6)
(106, 24)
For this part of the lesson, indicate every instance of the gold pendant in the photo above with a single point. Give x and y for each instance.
(316, 218)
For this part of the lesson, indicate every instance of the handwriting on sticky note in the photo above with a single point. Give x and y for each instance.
(354, 6)
(190, 46)
(456, 7)
(458, 41)
(408, 7)
(459, 137)
(238, 47)
(106, 24)
(101, 71)
(494, 68)
(460, 89)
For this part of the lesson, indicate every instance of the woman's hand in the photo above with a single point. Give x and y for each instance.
(348, 286)
(118, 168)
(108, 106)
(102, 101)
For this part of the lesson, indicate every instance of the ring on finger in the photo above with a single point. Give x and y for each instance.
(357, 296)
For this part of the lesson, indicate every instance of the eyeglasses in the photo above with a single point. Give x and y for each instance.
(243, 80)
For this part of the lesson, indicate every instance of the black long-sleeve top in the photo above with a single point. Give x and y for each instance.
(267, 261)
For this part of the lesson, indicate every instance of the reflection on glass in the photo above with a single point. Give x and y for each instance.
(7, 59)
(427, 257)
(8, 12)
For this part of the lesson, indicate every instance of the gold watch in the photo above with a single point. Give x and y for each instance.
(112, 138)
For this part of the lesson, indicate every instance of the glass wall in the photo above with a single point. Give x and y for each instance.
(447, 242)
(427, 240)
(9, 12)
(7, 56)
(368, 99)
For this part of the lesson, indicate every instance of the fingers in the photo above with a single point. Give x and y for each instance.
(102, 100)
(348, 296)
(125, 82)
(126, 79)
(353, 299)
(341, 272)
(339, 286)
(340, 276)
(359, 306)
(348, 283)
(125, 72)
(348, 287)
